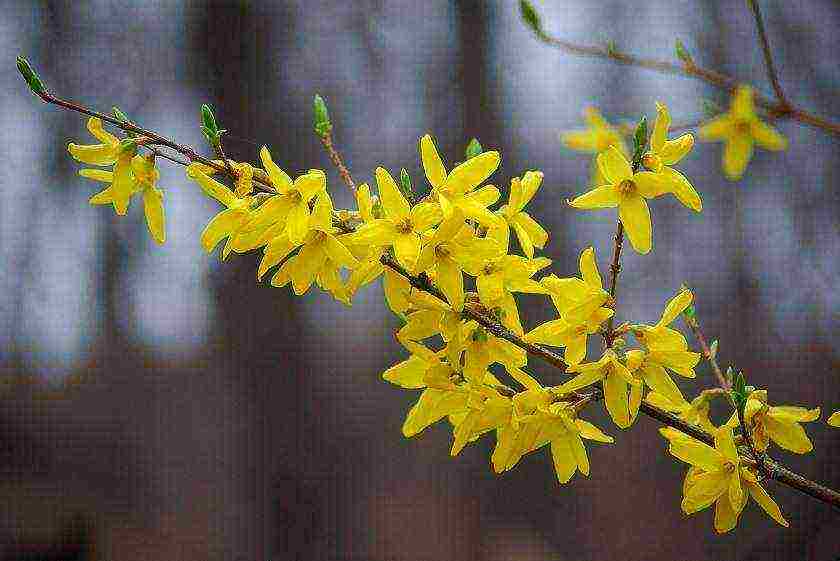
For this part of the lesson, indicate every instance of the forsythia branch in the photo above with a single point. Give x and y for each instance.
(779, 109)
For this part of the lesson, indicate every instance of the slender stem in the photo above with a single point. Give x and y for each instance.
(694, 326)
(615, 268)
(777, 109)
(761, 459)
(475, 312)
(154, 137)
(327, 141)
(768, 54)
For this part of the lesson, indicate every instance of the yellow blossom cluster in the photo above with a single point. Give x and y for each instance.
(446, 261)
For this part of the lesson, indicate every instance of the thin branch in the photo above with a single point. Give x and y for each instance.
(327, 141)
(694, 326)
(775, 471)
(777, 109)
(761, 459)
(615, 268)
(768, 54)
(155, 138)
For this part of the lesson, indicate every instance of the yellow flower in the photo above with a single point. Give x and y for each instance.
(402, 225)
(718, 477)
(596, 138)
(665, 153)
(627, 191)
(778, 423)
(289, 209)
(370, 264)
(579, 303)
(110, 151)
(321, 255)
(740, 129)
(445, 392)
(103, 154)
(528, 231)
(535, 421)
(666, 347)
(459, 187)
(614, 377)
(497, 277)
(453, 244)
(482, 349)
(695, 413)
(834, 419)
(427, 317)
(229, 222)
(146, 176)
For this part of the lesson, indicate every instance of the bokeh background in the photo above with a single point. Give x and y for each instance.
(158, 404)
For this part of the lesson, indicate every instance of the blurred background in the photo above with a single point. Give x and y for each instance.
(158, 404)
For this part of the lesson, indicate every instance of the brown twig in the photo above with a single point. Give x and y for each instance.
(761, 459)
(327, 141)
(615, 268)
(768, 54)
(155, 138)
(777, 109)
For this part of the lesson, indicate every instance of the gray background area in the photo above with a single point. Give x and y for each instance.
(158, 404)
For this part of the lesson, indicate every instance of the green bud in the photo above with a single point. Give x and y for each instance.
(729, 374)
(209, 126)
(119, 115)
(128, 145)
(641, 135)
(682, 53)
(530, 16)
(32, 79)
(714, 348)
(123, 118)
(612, 48)
(405, 186)
(690, 313)
(473, 149)
(323, 126)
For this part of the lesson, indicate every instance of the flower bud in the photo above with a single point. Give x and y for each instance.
(32, 79)
(322, 123)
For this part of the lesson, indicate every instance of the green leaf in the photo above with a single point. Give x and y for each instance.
(209, 126)
(714, 348)
(405, 186)
(32, 79)
(682, 53)
(530, 16)
(322, 123)
(473, 149)
(120, 116)
(639, 142)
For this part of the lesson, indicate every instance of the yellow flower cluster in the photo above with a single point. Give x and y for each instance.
(452, 238)
(131, 173)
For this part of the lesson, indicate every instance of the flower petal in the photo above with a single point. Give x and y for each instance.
(736, 155)
(682, 188)
(605, 196)
(614, 166)
(472, 173)
(153, 209)
(635, 216)
(767, 137)
(432, 163)
(393, 203)
(279, 179)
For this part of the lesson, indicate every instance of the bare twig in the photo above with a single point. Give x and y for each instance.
(776, 109)
(768, 54)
